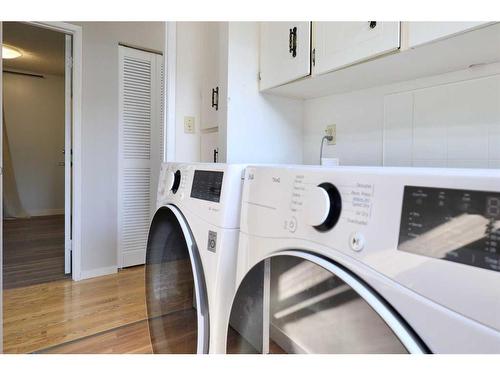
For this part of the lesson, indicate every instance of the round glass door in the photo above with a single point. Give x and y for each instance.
(300, 303)
(175, 287)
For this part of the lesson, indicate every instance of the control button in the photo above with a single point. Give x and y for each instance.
(357, 241)
(212, 241)
(292, 224)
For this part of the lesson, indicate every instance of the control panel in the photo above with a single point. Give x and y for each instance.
(461, 226)
(207, 185)
(434, 231)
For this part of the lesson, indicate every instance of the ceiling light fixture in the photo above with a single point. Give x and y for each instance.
(9, 52)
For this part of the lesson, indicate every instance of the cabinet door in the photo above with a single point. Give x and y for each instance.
(285, 52)
(209, 143)
(425, 32)
(210, 79)
(339, 44)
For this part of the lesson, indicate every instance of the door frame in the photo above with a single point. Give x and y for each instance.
(76, 32)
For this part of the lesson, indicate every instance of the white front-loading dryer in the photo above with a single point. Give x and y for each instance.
(191, 256)
(367, 260)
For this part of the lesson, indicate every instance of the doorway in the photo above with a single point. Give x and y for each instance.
(36, 154)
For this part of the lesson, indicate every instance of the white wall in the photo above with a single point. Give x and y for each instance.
(34, 117)
(450, 120)
(253, 127)
(190, 51)
(260, 128)
(100, 133)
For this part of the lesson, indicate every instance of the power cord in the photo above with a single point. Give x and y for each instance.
(329, 138)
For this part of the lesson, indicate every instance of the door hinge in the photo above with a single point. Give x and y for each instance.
(314, 56)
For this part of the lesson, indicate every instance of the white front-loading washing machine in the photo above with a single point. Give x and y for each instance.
(191, 256)
(368, 260)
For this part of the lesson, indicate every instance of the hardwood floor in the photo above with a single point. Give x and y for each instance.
(41, 316)
(131, 339)
(33, 250)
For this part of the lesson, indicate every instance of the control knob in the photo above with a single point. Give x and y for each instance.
(169, 180)
(176, 181)
(323, 206)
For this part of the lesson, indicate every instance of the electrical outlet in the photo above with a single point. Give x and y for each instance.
(189, 124)
(331, 130)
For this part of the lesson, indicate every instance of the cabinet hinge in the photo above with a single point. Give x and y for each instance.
(259, 77)
(314, 56)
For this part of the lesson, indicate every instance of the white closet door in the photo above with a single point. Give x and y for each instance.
(141, 148)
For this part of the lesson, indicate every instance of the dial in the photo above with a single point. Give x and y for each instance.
(323, 207)
(169, 180)
(317, 206)
(176, 182)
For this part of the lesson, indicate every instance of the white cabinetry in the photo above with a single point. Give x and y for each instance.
(425, 32)
(339, 44)
(285, 52)
(210, 81)
(209, 147)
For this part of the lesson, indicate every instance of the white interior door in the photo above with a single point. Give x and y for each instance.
(141, 149)
(68, 152)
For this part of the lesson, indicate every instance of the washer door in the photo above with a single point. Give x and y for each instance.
(296, 302)
(176, 293)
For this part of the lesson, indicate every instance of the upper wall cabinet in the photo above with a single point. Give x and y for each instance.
(285, 52)
(339, 44)
(425, 32)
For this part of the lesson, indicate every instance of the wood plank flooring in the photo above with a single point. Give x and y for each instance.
(33, 250)
(131, 339)
(41, 316)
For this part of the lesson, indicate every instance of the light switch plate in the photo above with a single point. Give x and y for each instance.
(189, 124)
(332, 130)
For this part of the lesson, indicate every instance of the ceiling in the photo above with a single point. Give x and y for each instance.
(42, 49)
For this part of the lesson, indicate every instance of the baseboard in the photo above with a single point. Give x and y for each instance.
(133, 258)
(47, 212)
(98, 272)
(285, 341)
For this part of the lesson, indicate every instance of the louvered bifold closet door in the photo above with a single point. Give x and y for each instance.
(140, 150)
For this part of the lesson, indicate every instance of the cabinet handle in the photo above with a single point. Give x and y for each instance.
(373, 24)
(292, 42)
(215, 98)
(216, 155)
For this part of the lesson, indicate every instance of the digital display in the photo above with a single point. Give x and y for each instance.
(207, 185)
(461, 226)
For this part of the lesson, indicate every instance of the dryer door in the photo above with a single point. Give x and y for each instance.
(296, 302)
(176, 293)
